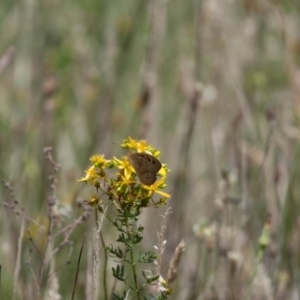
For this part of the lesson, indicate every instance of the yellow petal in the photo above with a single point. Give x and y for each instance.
(163, 194)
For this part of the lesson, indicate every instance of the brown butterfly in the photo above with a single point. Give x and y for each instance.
(146, 166)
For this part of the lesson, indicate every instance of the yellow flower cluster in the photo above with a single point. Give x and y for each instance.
(123, 186)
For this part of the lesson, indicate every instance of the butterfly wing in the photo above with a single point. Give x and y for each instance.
(146, 167)
(147, 177)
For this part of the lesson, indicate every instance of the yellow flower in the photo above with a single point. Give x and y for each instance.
(90, 175)
(140, 146)
(163, 171)
(96, 171)
(123, 182)
(99, 161)
(154, 188)
(124, 165)
(94, 201)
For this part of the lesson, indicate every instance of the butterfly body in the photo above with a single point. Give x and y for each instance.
(146, 167)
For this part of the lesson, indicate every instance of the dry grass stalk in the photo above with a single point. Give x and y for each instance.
(161, 242)
(18, 260)
(173, 269)
(96, 260)
(53, 284)
(7, 59)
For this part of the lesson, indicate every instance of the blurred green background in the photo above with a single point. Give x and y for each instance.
(214, 85)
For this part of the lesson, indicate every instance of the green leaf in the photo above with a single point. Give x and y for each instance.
(117, 297)
(148, 279)
(147, 257)
(114, 252)
(118, 272)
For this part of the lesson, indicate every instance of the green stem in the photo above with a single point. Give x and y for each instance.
(258, 260)
(104, 267)
(133, 265)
